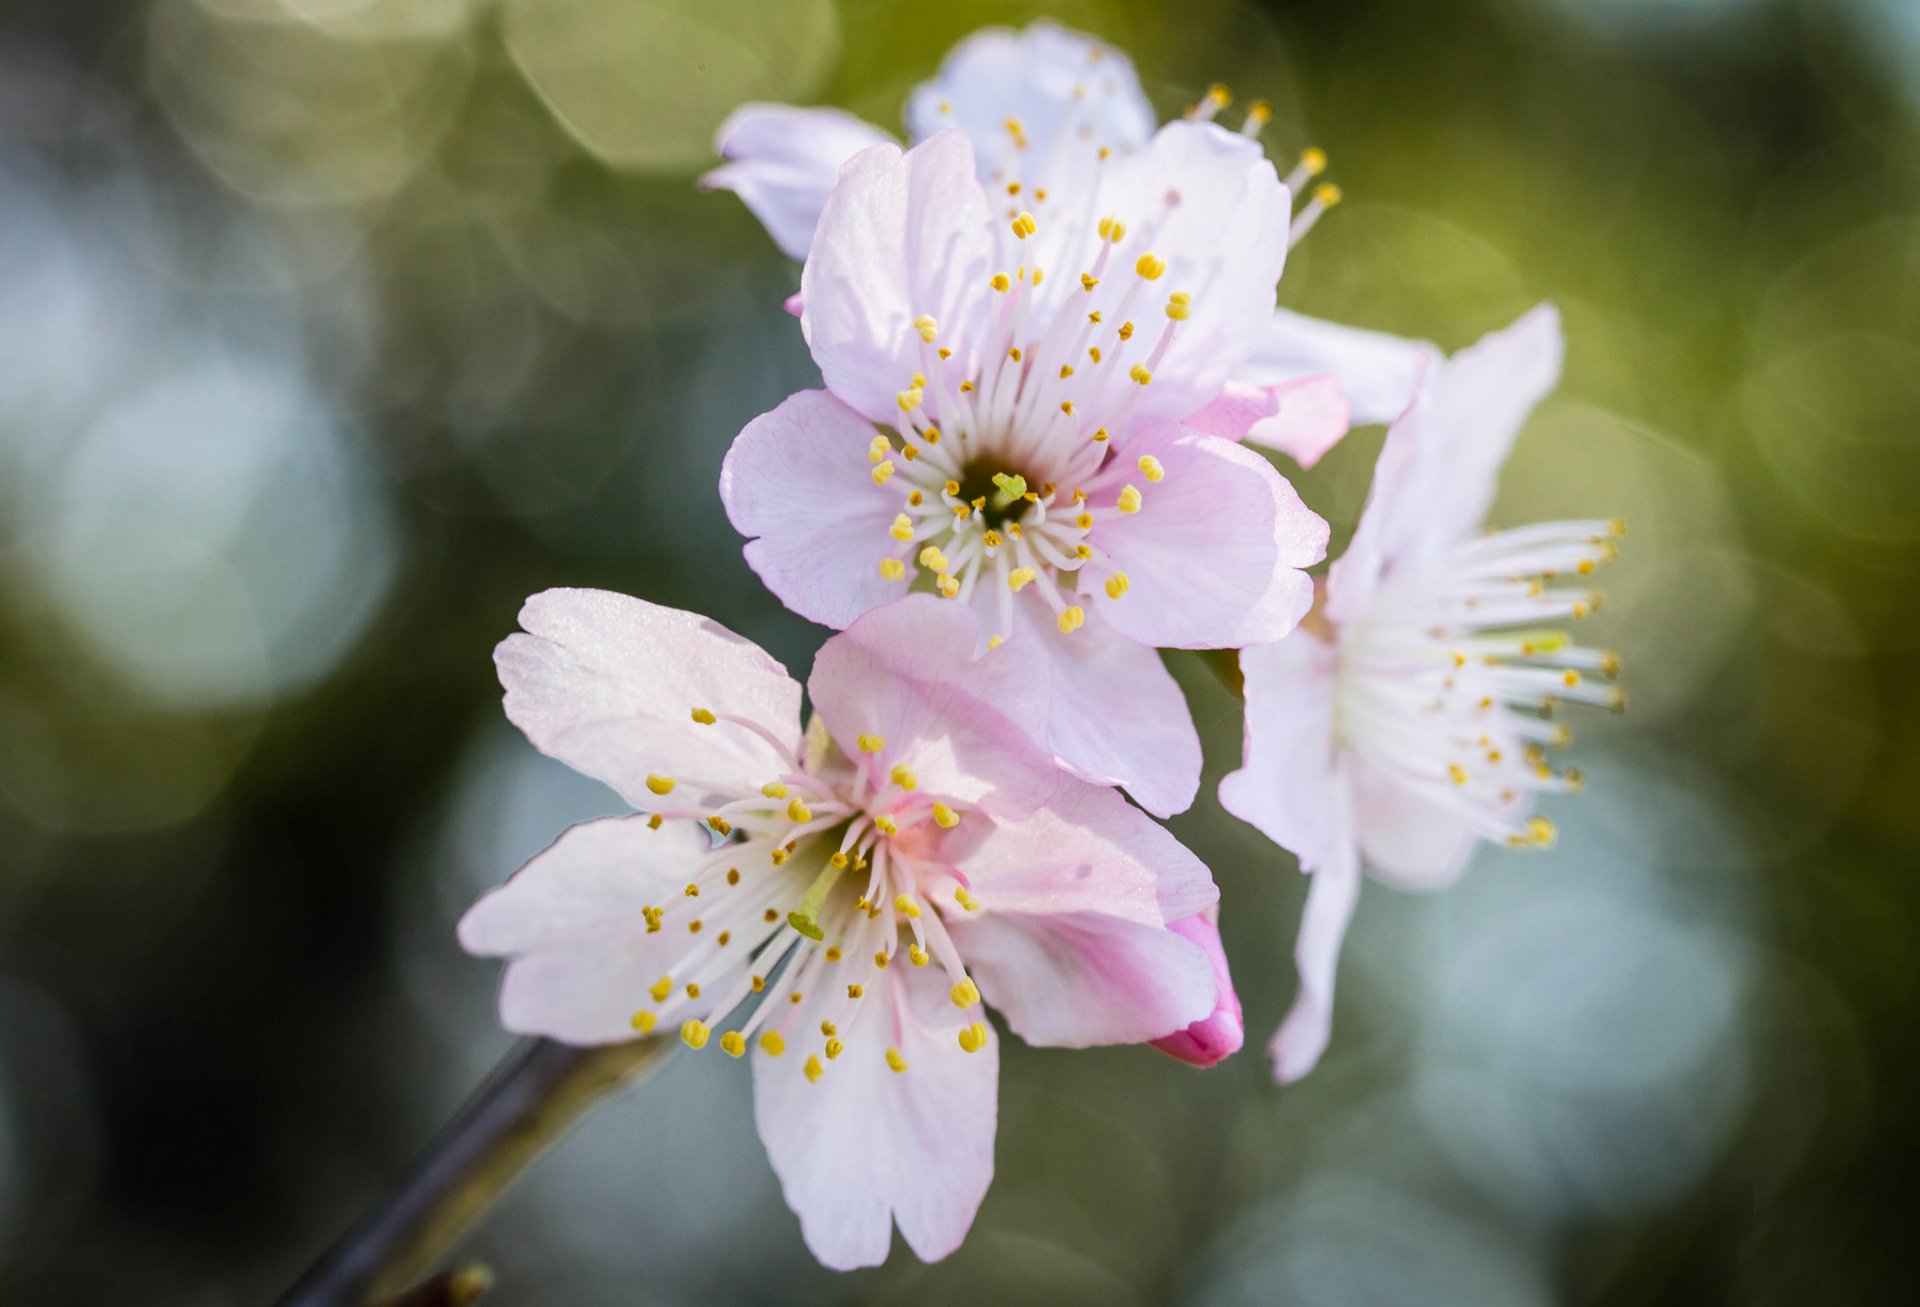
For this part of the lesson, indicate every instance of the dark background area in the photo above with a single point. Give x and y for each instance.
(329, 329)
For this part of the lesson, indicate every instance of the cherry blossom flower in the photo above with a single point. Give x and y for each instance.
(1027, 417)
(840, 902)
(1046, 110)
(1409, 719)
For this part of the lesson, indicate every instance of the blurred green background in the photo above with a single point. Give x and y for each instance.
(331, 328)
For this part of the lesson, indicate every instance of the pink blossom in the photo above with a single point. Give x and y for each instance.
(1003, 425)
(873, 879)
(1412, 723)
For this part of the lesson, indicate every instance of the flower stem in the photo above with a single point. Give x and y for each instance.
(529, 1101)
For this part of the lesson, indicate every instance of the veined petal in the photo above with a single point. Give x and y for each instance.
(609, 684)
(798, 478)
(1212, 556)
(1331, 895)
(1302, 419)
(1218, 1035)
(782, 162)
(903, 235)
(1286, 786)
(1207, 203)
(1376, 371)
(868, 1146)
(971, 730)
(1039, 104)
(1119, 717)
(573, 924)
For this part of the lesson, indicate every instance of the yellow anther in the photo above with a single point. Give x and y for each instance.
(1117, 585)
(854, 991)
(1313, 160)
(932, 436)
(895, 1061)
(828, 1029)
(1016, 130)
(869, 743)
(949, 586)
(704, 717)
(720, 825)
(965, 993)
(693, 989)
(1101, 434)
(878, 448)
(1609, 664)
(1088, 281)
(662, 785)
(1000, 282)
(1219, 96)
(1180, 306)
(840, 859)
(904, 904)
(1151, 266)
(734, 1043)
(973, 1038)
(1617, 526)
(694, 1033)
(1112, 230)
(814, 1070)
(661, 988)
(995, 641)
(1071, 619)
(1019, 577)
(1150, 467)
(916, 955)
(1326, 194)
(1024, 225)
(798, 811)
(902, 775)
(1083, 520)
(834, 1049)
(1066, 406)
(1541, 831)
(693, 927)
(990, 538)
(931, 557)
(772, 1043)
(1259, 113)
(902, 528)
(774, 790)
(945, 817)
(909, 400)
(693, 891)
(951, 488)
(653, 916)
(1137, 372)
(653, 822)
(880, 960)
(965, 899)
(1570, 678)
(833, 953)
(883, 472)
(644, 1021)
(1129, 501)
(1457, 773)
(892, 569)
(886, 825)
(926, 326)
(1126, 331)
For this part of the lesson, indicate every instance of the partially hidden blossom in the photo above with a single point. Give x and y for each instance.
(1030, 417)
(837, 903)
(1046, 110)
(1409, 720)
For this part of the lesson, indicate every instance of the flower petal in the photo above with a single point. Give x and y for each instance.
(1208, 203)
(972, 730)
(1119, 717)
(1212, 555)
(1067, 94)
(1071, 942)
(608, 684)
(1302, 419)
(571, 921)
(1376, 371)
(1331, 895)
(1286, 786)
(798, 478)
(1218, 1035)
(782, 163)
(902, 235)
(868, 1146)
(1407, 840)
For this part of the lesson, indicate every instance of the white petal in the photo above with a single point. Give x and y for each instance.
(782, 162)
(1286, 784)
(1376, 370)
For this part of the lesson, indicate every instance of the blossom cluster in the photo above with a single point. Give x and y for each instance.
(1051, 362)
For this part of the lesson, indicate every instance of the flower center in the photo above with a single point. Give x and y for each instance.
(816, 883)
(1449, 683)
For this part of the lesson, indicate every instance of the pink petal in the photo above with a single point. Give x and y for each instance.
(901, 236)
(782, 163)
(1119, 718)
(1218, 1035)
(1302, 419)
(867, 1146)
(1218, 215)
(1302, 1037)
(571, 921)
(1376, 371)
(799, 479)
(1070, 94)
(1407, 839)
(608, 684)
(1212, 555)
(1286, 785)
(973, 731)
